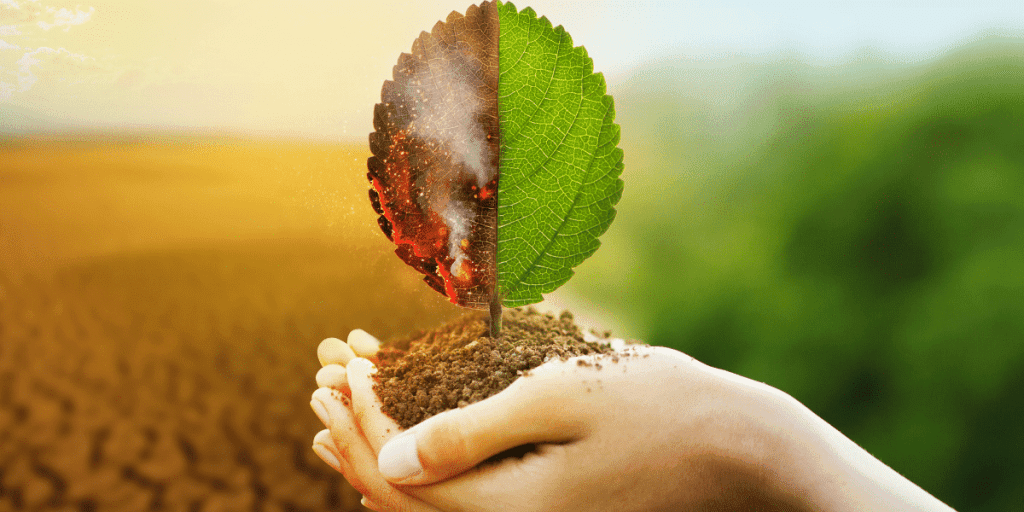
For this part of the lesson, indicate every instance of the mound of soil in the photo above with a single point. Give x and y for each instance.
(459, 363)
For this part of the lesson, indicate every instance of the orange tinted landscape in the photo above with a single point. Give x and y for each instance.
(160, 307)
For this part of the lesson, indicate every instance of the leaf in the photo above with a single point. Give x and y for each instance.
(434, 169)
(559, 166)
(495, 95)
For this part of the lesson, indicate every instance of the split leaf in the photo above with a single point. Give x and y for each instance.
(495, 167)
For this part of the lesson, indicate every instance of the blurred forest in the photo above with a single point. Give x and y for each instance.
(851, 234)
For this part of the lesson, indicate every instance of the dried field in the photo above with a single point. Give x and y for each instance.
(160, 306)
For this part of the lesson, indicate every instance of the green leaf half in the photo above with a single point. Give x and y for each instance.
(560, 165)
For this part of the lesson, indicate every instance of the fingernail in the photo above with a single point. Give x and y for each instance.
(332, 376)
(323, 437)
(359, 366)
(398, 458)
(321, 411)
(363, 343)
(327, 456)
(330, 405)
(334, 351)
(369, 504)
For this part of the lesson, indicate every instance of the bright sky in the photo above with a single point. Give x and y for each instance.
(314, 67)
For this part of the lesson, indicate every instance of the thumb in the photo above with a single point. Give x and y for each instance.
(454, 441)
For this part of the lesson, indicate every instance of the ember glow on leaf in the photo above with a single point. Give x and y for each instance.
(467, 109)
(435, 166)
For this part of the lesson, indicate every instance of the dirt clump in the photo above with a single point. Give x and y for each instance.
(459, 364)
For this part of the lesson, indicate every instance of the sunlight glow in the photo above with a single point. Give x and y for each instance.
(314, 69)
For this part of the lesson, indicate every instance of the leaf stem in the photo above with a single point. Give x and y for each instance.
(495, 316)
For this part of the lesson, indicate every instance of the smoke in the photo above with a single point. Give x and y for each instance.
(447, 110)
(458, 218)
(446, 107)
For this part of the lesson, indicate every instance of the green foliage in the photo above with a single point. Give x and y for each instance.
(852, 236)
(559, 162)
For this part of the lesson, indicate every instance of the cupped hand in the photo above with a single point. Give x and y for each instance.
(646, 428)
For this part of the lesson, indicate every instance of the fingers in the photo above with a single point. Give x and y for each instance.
(334, 351)
(334, 354)
(457, 440)
(377, 427)
(332, 376)
(338, 446)
(343, 447)
(371, 505)
(363, 344)
(323, 446)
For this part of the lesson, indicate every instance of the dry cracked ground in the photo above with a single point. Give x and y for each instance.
(160, 308)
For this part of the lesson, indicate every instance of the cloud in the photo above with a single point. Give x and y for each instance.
(6, 90)
(25, 11)
(22, 68)
(66, 18)
(52, 65)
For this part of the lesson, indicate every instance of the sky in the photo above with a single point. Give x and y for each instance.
(314, 68)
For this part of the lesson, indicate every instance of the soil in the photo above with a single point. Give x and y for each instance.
(459, 363)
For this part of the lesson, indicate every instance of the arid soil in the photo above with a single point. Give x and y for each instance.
(160, 308)
(459, 363)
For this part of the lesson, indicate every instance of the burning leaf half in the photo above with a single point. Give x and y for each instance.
(495, 93)
(434, 168)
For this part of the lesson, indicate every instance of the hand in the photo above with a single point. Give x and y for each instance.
(620, 439)
(653, 431)
(345, 444)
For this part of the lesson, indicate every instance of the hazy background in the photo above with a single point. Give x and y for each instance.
(826, 196)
